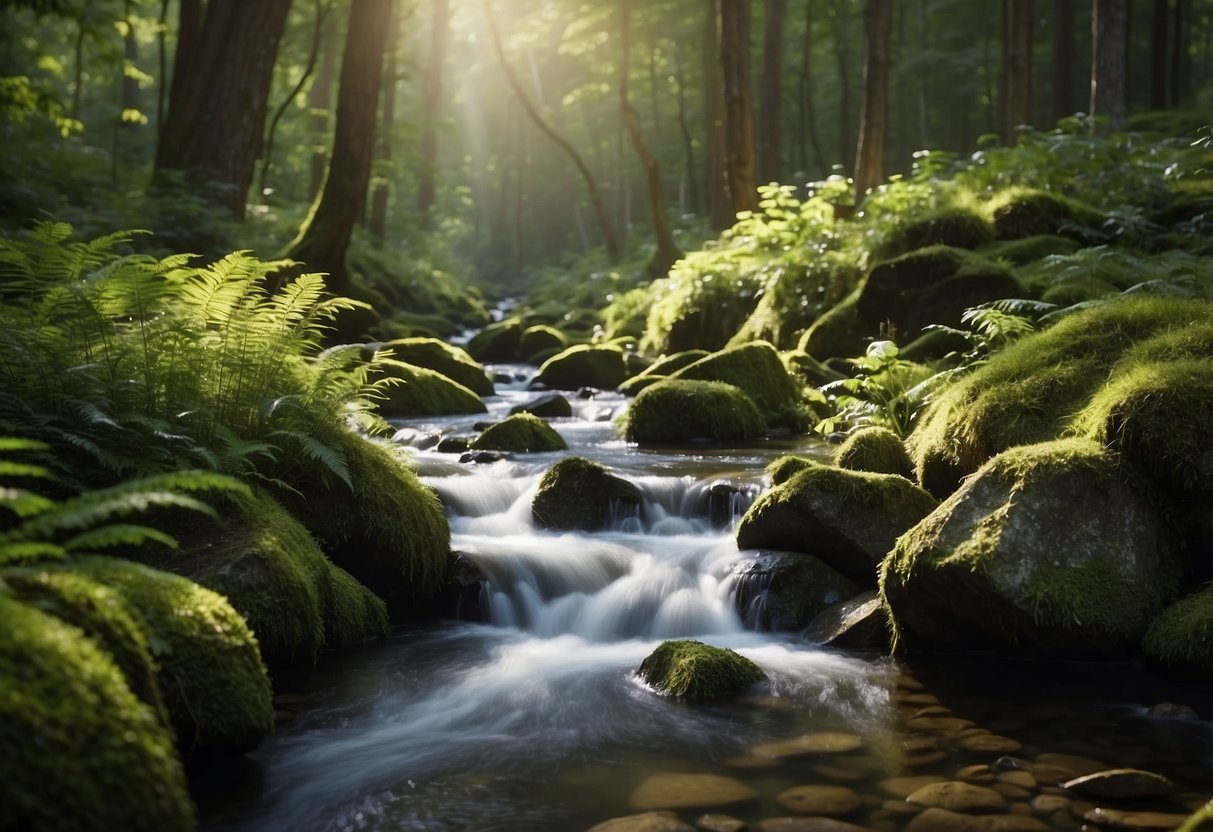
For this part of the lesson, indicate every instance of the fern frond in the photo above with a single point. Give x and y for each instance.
(24, 504)
(29, 551)
(116, 534)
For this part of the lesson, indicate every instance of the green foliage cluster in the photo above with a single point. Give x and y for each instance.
(695, 671)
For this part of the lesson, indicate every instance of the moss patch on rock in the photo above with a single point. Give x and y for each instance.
(757, 371)
(957, 227)
(576, 493)
(498, 342)
(441, 357)
(422, 392)
(695, 671)
(877, 450)
(788, 466)
(676, 411)
(351, 612)
(80, 750)
(540, 339)
(1020, 252)
(1031, 213)
(521, 433)
(1181, 638)
(584, 366)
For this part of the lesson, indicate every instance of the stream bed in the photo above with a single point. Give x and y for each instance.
(534, 720)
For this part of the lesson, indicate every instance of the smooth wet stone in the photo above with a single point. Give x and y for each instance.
(750, 761)
(1171, 710)
(1078, 764)
(923, 759)
(920, 699)
(690, 791)
(808, 745)
(1011, 792)
(1135, 821)
(946, 725)
(931, 710)
(647, 822)
(900, 807)
(980, 774)
(807, 825)
(719, 823)
(1120, 784)
(848, 768)
(903, 787)
(941, 820)
(958, 796)
(1021, 809)
(989, 744)
(1022, 779)
(1048, 804)
(915, 745)
(831, 801)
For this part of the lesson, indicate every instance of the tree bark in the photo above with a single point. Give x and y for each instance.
(720, 209)
(1108, 64)
(843, 58)
(1018, 68)
(162, 55)
(427, 184)
(609, 237)
(924, 44)
(1159, 35)
(869, 152)
(738, 110)
(1063, 58)
(325, 236)
(770, 128)
(806, 109)
(1180, 59)
(320, 103)
(667, 252)
(381, 188)
(221, 83)
(690, 173)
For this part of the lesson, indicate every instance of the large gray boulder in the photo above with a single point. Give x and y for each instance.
(784, 591)
(1045, 550)
(848, 519)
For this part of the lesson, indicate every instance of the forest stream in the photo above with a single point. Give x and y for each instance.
(536, 720)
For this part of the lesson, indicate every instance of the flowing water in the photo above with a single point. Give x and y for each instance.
(534, 719)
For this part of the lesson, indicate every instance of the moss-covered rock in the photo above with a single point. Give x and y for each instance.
(1020, 252)
(80, 750)
(696, 671)
(661, 368)
(703, 302)
(1181, 638)
(1029, 392)
(797, 292)
(839, 333)
(849, 519)
(422, 392)
(351, 612)
(1045, 550)
(521, 433)
(548, 406)
(540, 339)
(441, 357)
(578, 494)
(788, 466)
(211, 675)
(757, 371)
(877, 450)
(498, 343)
(958, 227)
(676, 411)
(784, 591)
(1032, 213)
(584, 366)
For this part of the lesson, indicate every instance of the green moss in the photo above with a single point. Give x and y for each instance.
(757, 371)
(674, 411)
(540, 340)
(441, 357)
(423, 392)
(958, 227)
(211, 673)
(80, 751)
(520, 433)
(670, 364)
(1032, 213)
(786, 467)
(584, 366)
(1077, 288)
(578, 494)
(1020, 252)
(498, 343)
(1181, 638)
(797, 292)
(352, 613)
(703, 302)
(1029, 392)
(877, 450)
(696, 671)
(839, 333)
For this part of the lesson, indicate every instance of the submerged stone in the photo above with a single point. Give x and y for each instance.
(809, 745)
(942, 820)
(646, 822)
(690, 791)
(831, 801)
(1138, 821)
(807, 825)
(958, 796)
(695, 671)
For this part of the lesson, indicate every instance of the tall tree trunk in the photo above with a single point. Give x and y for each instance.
(320, 103)
(690, 172)
(1063, 58)
(924, 81)
(667, 252)
(869, 152)
(1179, 53)
(843, 59)
(221, 83)
(1018, 67)
(738, 110)
(1159, 34)
(325, 236)
(427, 187)
(770, 126)
(720, 209)
(381, 187)
(162, 55)
(806, 108)
(1108, 63)
(610, 239)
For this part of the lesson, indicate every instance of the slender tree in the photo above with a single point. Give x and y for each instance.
(217, 102)
(1109, 21)
(720, 208)
(1017, 69)
(738, 109)
(1159, 37)
(842, 57)
(325, 236)
(1063, 58)
(381, 187)
(806, 109)
(427, 187)
(770, 124)
(869, 153)
(320, 104)
(690, 174)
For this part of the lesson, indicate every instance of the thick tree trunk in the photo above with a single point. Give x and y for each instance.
(738, 110)
(381, 189)
(1063, 58)
(427, 184)
(842, 57)
(1108, 63)
(221, 83)
(320, 103)
(924, 44)
(869, 152)
(720, 208)
(807, 110)
(1018, 68)
(1180, 59)
(690, 172)
(770, 127)
(667, 252)
(325, 236)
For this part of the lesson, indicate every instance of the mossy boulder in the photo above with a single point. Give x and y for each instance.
(1032, 213)
(757, 371)
(849, 519)
(676, 411)
(422, 392)
(1020, 252)
(584, 366)
(788, 466)
(521, 433)
(80, 750)
(1030, 392)
(661, 368)
(877, 450)
(705, 300)
(441, 357)
(839, 332)
(576, 494)
(1045, 550)
(784, 591)
(540, 339)
(958, 227)
(548, 406)
(211, 674)
(695, 671)
(498, 343)
(1181, 638)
